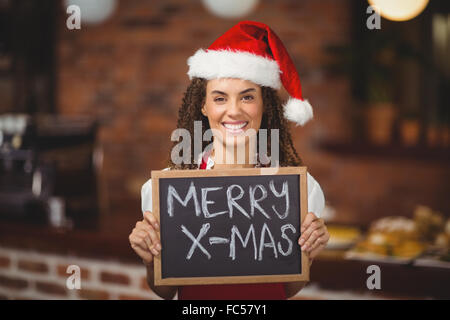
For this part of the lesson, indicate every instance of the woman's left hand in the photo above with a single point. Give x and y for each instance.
(314, 236)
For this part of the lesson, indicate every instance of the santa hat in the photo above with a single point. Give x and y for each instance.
(252, 51)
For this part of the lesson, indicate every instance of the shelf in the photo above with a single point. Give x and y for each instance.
(388, 152)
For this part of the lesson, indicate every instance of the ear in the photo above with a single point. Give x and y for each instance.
(204, 111)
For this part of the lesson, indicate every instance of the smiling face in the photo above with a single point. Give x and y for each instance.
(266, 112)
(233, 106)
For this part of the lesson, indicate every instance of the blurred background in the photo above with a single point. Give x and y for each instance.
(86, 113)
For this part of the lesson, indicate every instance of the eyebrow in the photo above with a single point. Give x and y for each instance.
(242, 92)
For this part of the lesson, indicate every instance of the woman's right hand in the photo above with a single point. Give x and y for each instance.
(144, 238)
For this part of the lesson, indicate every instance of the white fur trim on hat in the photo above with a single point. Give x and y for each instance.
(298, 111)
(214, 64)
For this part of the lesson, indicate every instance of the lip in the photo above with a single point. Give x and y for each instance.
(234, 127)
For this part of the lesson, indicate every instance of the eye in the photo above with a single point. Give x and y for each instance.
(248, 98)
(219, 99)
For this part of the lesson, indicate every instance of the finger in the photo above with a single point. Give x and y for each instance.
(138, 240)
(144, 241)
(144, 254)
(316, 224)
(151, 245)
(148, 216)
(148, 241)
(319, 241)
(310, 217)
(314, 235)
(148, 228)
(153, 237)
(316, 251)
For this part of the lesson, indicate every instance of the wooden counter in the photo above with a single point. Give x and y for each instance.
(330, 271)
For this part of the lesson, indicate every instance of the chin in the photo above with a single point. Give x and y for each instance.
(240, 139)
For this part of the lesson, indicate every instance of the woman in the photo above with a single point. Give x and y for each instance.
(233, 92)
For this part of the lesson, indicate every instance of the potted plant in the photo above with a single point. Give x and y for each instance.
(371, 63)
(380, 109)
(410, 129)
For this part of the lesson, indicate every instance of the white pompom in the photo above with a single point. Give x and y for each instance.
(298, 111)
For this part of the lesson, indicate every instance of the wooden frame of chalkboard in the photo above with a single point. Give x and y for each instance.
(293, 172)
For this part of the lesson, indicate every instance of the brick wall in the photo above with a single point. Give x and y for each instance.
(29, 275)
(130, 73)
(33, 275)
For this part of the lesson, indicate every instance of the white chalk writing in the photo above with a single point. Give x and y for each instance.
(284, 193)
(196, 241)
(205, 203)
(172, 193)
(263, 244)
(284, 236)
(235, 232)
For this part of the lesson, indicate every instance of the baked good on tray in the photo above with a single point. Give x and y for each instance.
(392, 236)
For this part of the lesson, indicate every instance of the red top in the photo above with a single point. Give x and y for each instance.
(255, 291)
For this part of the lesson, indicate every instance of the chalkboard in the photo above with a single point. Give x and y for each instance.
(230, 226)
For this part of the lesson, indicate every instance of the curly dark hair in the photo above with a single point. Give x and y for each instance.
(273, 118)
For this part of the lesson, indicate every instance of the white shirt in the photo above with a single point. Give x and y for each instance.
(316, 199)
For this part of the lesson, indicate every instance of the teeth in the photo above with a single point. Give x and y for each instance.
(235, 126)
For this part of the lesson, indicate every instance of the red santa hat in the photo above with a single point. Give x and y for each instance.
(252, 51)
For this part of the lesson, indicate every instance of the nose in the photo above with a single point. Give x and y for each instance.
(234, 109)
